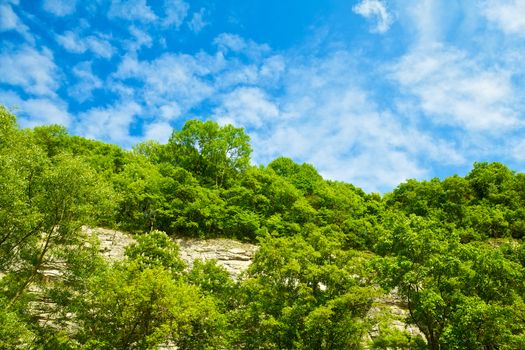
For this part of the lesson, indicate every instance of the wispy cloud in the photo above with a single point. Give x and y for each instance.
(518, 151)
(175, 12)
(160, 128)
(424, 19)
(37, 111)
(508, 15)
(9, 20)
(30, 69)
(140, 38)
(455, 89)
(160, 131)
(182, 78)
(60, 7)
(197, 22)
(232, 42)
(87, 81)
(460, 79)
(175, 84)
(110, 123)
(247, 106)
(75, 43)
(376, 11)
(131, 10)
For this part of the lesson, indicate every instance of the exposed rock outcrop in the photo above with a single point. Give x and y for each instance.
(113, 243)
(234, 256)
(390, 312)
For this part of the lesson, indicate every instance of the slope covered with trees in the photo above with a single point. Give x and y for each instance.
(451, 249)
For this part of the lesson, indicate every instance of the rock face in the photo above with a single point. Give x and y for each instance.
(113, 243)
(393, 311)
(234, 256)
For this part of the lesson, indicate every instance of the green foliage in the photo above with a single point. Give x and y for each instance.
(451, 288)
(52, 138)
(490, 181)
(451, 249)
(141, 185)
(392, 338)
(304, 293)
(156, 249)
(7, 126)
(14, 332)
(304, 177)
(215, 282)
(211, 152)
(128, 307)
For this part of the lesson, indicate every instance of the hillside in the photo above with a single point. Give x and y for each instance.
(449, 252)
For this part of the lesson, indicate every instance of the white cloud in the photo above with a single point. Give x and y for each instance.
(9, 20)
(60, 7)
(110, 124)
(518, 150)
(32, 70)
(197, 22)
(131, 10)
(347, 139)
(97, 44)
(272, 69)
(159, 131)
(36, 111)
(374, 169)
(231, 42)
(160, 128)
(426, 19)
(508, 15)
(71, 42)
(248, 107)
(176, 11)
(171, 77)
(238, 74)
(86, 82)
(455, 89)
(426, 22)
(141, 38)
(45, 111)
(174, 84)
(170, 111)
(377, 11)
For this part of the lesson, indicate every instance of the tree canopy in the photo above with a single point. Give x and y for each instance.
(330, 255)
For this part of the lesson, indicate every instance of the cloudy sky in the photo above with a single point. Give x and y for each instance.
(371, 92)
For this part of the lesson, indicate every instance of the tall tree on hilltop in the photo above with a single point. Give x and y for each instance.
(212, 152)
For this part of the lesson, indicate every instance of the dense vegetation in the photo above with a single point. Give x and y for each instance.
(451, 249)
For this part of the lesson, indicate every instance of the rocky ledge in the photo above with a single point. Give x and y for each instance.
(234, 256)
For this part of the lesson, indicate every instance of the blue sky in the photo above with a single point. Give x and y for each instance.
(371, 92)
